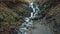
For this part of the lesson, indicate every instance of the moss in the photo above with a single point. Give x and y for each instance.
(1, 17)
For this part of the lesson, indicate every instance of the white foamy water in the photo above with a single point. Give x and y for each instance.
(28, 22)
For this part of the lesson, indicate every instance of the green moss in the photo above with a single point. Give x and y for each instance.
(1, 16)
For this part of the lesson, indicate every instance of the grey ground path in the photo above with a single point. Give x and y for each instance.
(40, 29)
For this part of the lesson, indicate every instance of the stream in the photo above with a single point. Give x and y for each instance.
(28, 20)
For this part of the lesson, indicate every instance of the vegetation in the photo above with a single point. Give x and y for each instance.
(12, 13)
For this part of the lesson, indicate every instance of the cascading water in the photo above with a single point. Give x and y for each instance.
(28, 22)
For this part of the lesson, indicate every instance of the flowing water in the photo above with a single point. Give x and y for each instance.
(28, 22)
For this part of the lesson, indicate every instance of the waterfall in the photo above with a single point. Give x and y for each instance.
(28, 22)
